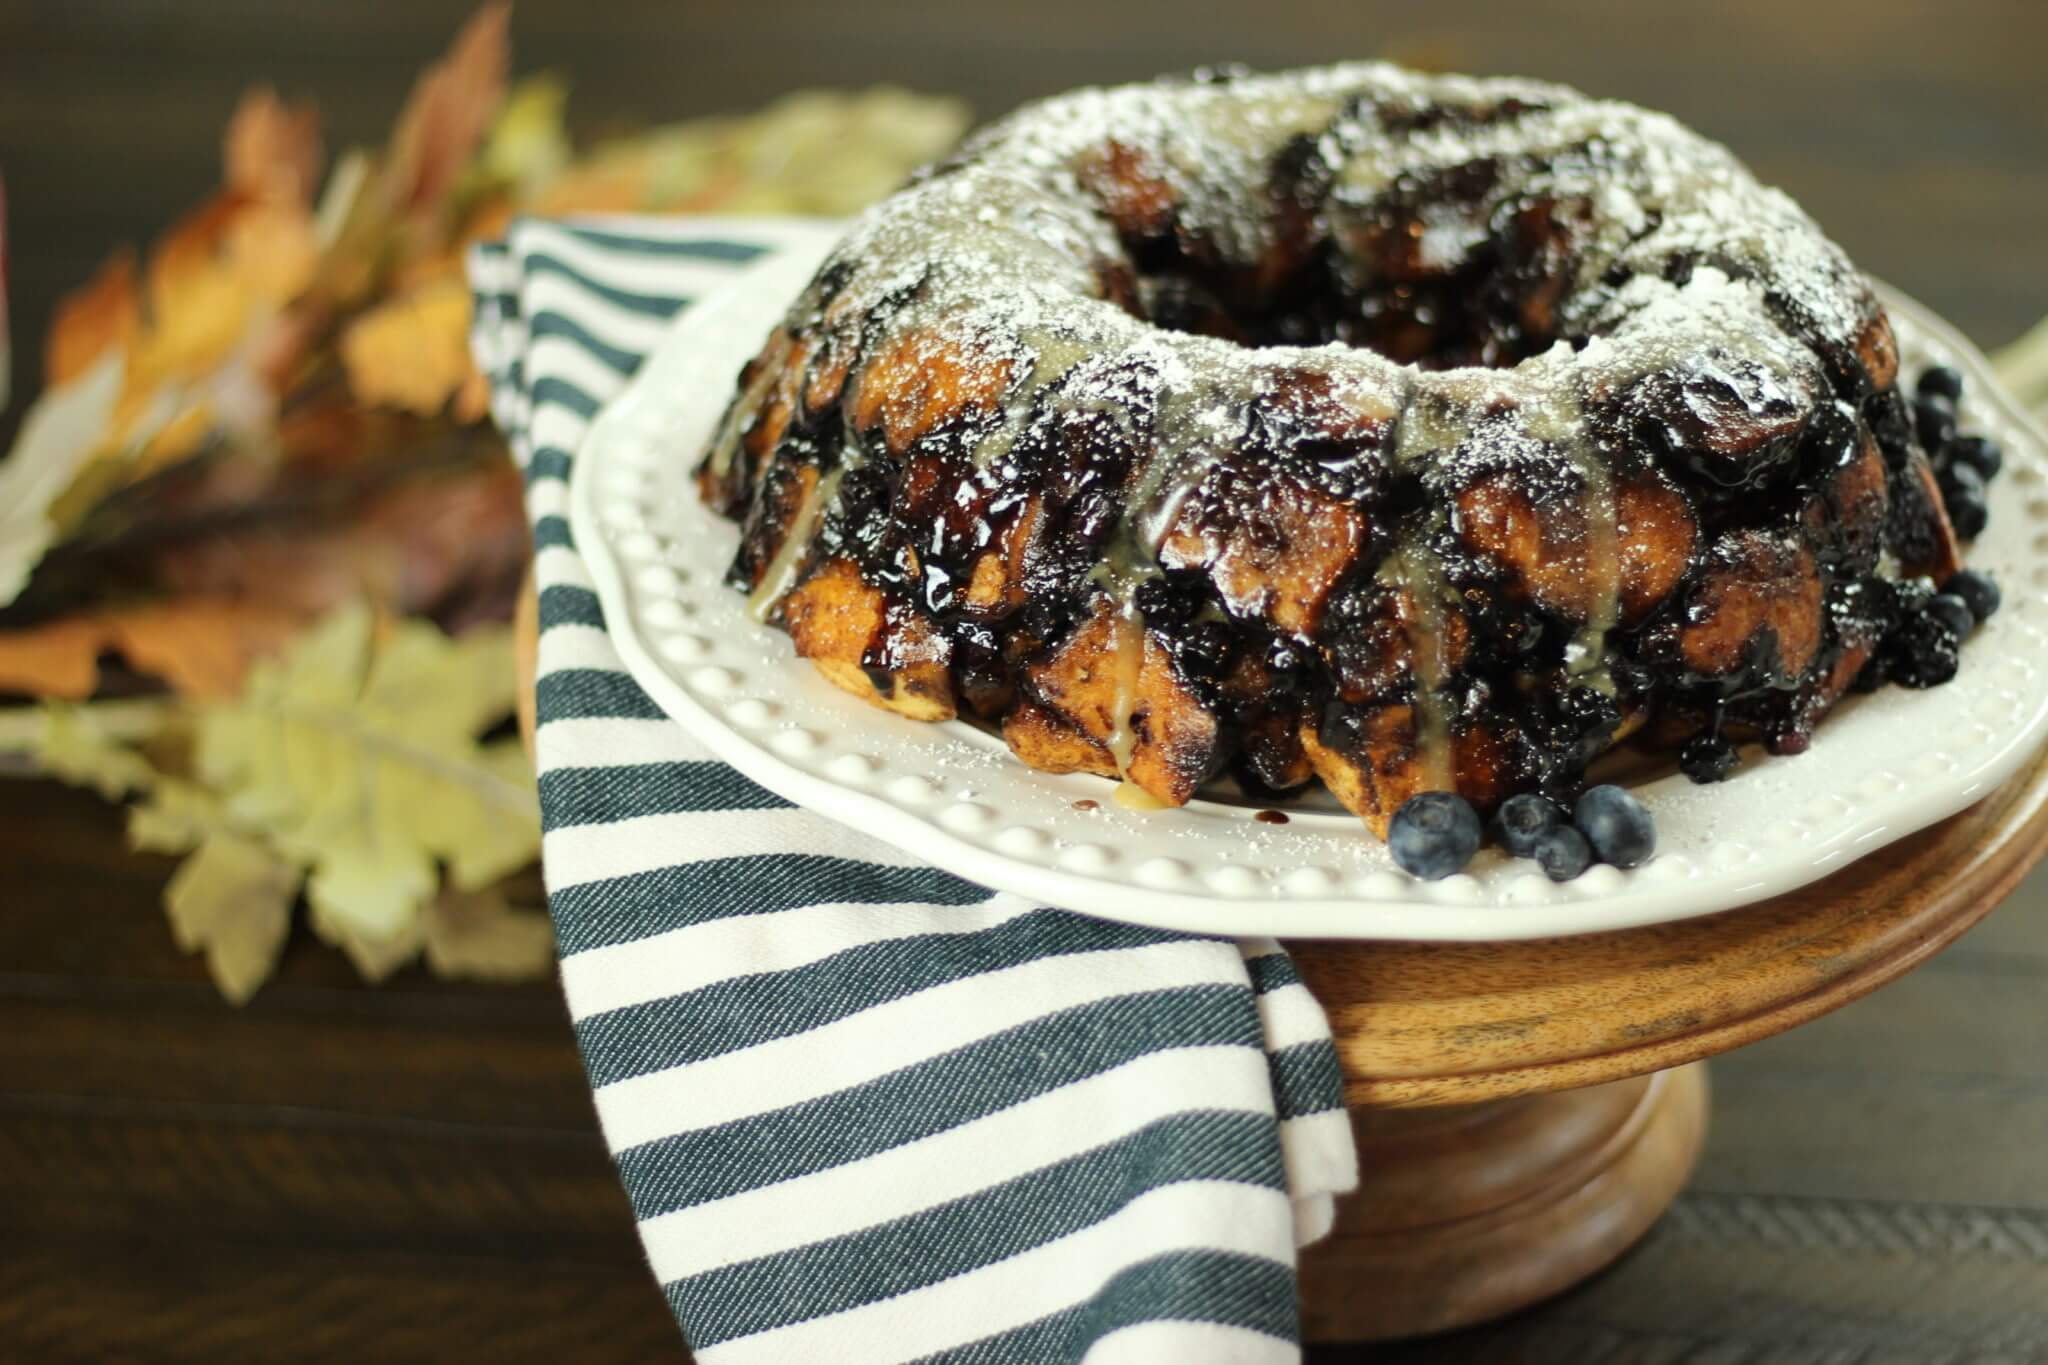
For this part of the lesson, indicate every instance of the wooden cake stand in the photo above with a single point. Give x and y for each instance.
(1526, 1111)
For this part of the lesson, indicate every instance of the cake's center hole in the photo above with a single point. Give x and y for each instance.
(1422, 286)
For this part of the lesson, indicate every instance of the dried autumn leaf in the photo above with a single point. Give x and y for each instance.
(431, 543)
(272, 150)
(200, 646)
(447, 114)
(358, 754)
(91, 746)
(59, 437)
(198, 303)
(273, 249)
(232, 898)
(528, 144)
(103, 314)
(176, 816)
(477, 935)
(374, 956)
(413, 352)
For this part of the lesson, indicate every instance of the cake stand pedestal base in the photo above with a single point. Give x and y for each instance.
(1469, 1212)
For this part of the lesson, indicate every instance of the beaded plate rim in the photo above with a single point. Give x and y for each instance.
(951, 795)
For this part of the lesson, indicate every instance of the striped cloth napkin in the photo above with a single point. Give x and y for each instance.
(867, 1111)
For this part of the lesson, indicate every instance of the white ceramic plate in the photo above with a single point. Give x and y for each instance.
(1881, 766)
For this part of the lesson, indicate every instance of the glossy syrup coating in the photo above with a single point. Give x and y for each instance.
(1410, 432)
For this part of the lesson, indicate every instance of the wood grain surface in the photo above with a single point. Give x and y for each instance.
(413, 1172)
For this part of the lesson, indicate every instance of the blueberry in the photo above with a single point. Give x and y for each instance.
(1923, 651)
(1433, 834)
(1706, 758)
(1962, 494)
(1563, 853)
(1204, 649)
(1960, 478)
(1935, 419)
(1953, 612)
(1285, 664)
(1616, 825)
(1170, 599)
(1944, 381)
(1978, 590)
(1980, 453)
(1875, 673)
(1522, 820)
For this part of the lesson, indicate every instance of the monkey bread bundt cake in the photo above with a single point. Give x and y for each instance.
(1412, 433)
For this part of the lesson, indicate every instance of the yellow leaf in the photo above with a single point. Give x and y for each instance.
(272, 150)
(476, 935)
(356, 752)
(176, 817)
(412, 353)
(274, 250)
(232, 899)
(366, 893)
(80, 745)
(527, 144)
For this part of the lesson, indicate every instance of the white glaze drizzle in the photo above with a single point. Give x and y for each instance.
(780, 575)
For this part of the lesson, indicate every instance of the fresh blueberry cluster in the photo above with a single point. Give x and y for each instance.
(1964, 465)
(1930, 624)
(1435, 834)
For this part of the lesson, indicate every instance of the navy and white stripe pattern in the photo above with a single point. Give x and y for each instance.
(866, 1111)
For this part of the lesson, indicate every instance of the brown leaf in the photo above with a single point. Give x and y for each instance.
(103, 313)
(478, 936)
(272, 150)
(201, 647)
(415, 547)
(448, 113)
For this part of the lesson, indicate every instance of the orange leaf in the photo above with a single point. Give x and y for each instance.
(60, 659)
(448, 113)
(413, 352)
(272, 150)
(200, 646)
(103, 313)
(618, 184)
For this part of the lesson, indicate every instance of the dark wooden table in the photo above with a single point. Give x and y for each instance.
(413, 1172)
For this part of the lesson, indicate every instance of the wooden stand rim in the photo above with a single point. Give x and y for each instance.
(1460, 1023)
